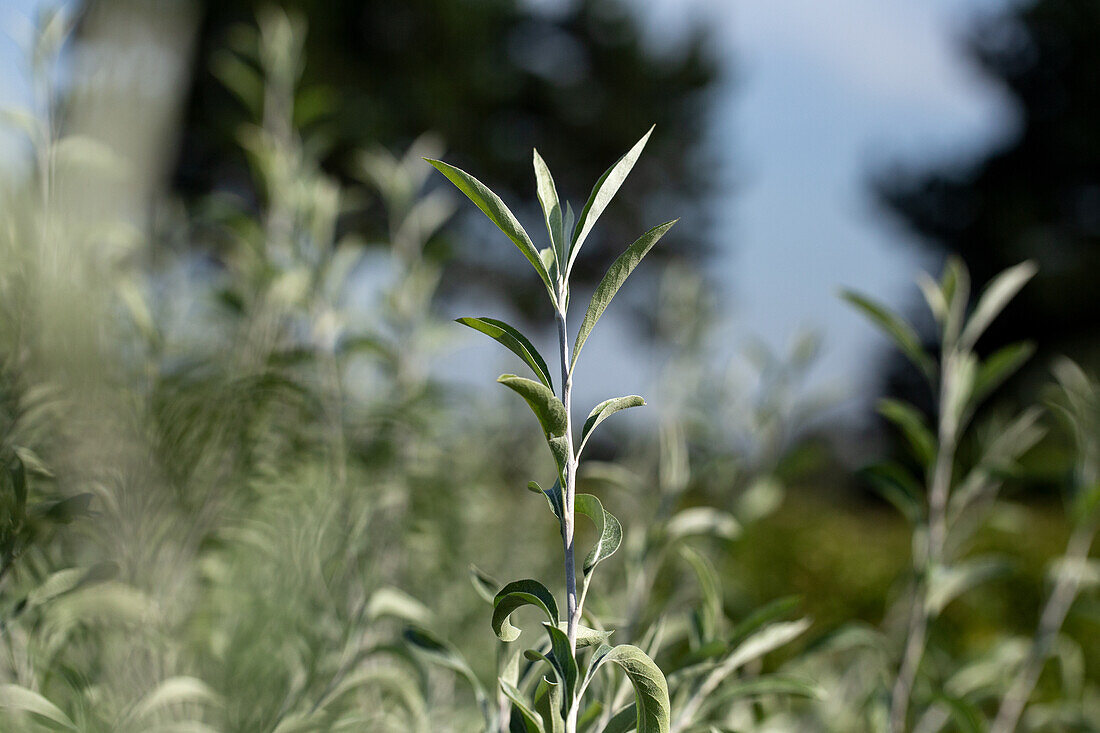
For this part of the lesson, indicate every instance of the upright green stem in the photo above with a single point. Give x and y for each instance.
(938, 491)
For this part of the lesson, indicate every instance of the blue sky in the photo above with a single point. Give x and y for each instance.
(819, 93)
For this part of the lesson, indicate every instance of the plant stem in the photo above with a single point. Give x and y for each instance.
(938, 490)
(569, 493)
(1050, 623)
(573, 607)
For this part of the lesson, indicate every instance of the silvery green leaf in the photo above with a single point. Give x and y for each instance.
(933, 296)
(955, 285)
(653, 710)
(484, 584)
(568, 222)
(174, 691)
(900, 332)
(439, 652)
(547, 408)
(604, 410)
(531, 721)
(548, 703)
(948, 583)
(551, 207)
(602, 193)
(511, 338)
(895, 484)
(562, 659)
(710, 610)
(623, 721)
(516, 594)
(613, 280)
(553, 497)
(1001, 289)
(394, 603)
(1000, 365)
(586, 636)
(913, 426)
(70, 579)
(767, 613)
(768, 639)
(498, 213)
(608, 528)
(770, 685)
(549, 260)
(703, 520)
(15, 697)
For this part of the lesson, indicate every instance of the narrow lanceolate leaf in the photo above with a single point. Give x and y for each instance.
(1000, 365)
(553, 497)
(587, 636)
(769, 638)
(948, 583)
(551, 207)
(14, 697)
(900, 332)
(498, 213)
(624, 721)
(602, 193)
(548, 699)
(530, 720)
(607, 526)
(515, 595)
(650, 687)
(616, 275)
(544, 403)
(994, 298)
(562, 659)
(439, 652)
(604, 410)
(510, 338)
(912, 425)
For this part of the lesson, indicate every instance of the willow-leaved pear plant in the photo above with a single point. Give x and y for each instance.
(554, 703)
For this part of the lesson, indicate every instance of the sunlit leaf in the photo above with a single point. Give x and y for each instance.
(1001, 289)
(515, 595)
(608, 529)
(948, 583)
(15, 697)
(913, 426)
(703, 521)
(551, 207)
(900, 332)
(651, 701)
(499, 214)
(511, 338)
(1000, 365)
(548, 703)
(602, 193)
(613, 280)
(562, 659)
(174, 691)
(531, 721)
(604, 410)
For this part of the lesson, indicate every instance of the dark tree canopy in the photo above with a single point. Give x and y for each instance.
(495, 78)
(1038, 195)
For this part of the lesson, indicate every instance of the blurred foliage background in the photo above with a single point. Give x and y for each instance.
(238, 468)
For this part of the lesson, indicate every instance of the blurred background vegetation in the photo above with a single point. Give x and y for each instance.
(244, 452)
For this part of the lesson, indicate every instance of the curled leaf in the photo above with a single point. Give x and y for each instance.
(516, 594)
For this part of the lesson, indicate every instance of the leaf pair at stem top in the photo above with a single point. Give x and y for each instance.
(554, 263)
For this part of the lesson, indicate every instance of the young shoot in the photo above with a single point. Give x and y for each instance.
(554, 703)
